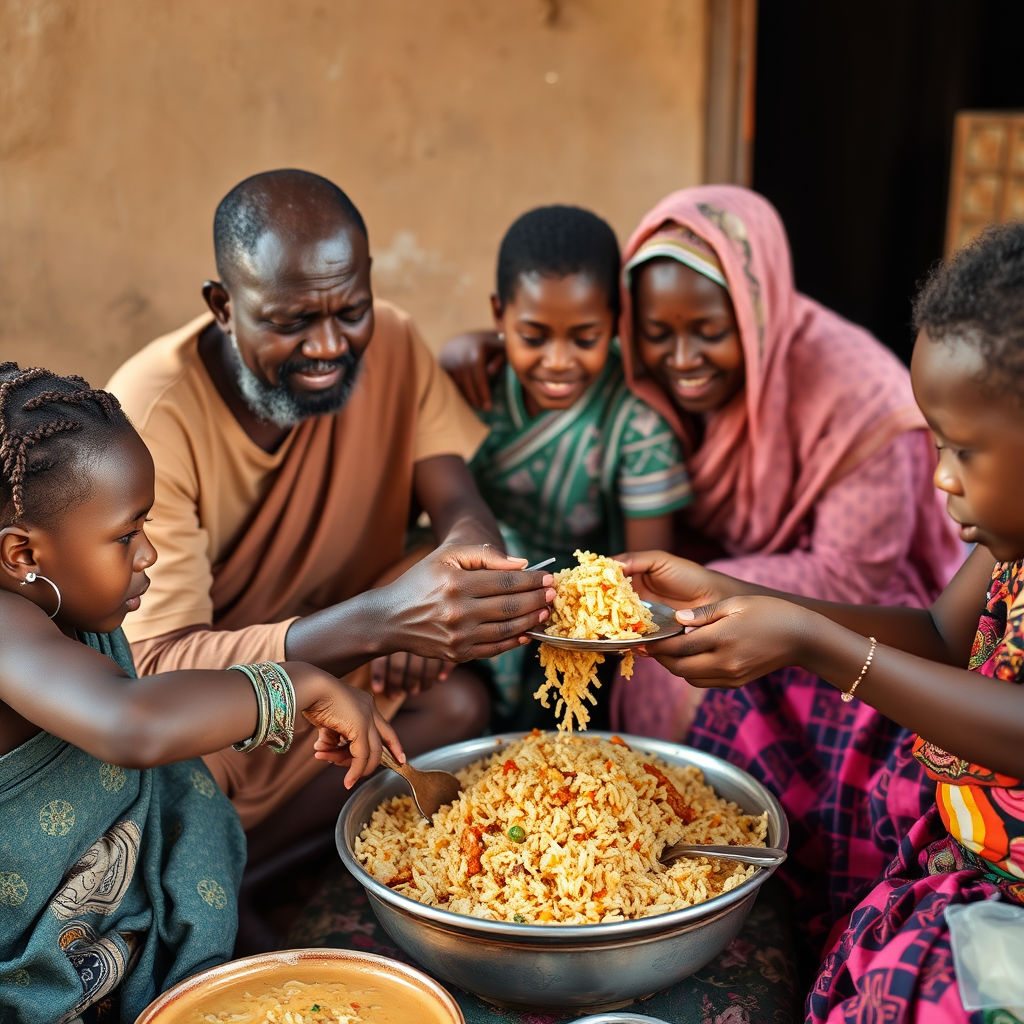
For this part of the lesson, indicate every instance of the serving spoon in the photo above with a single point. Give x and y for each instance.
(430, 790)
(762, 856)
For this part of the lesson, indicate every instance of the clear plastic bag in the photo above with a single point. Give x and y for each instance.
(988, 954)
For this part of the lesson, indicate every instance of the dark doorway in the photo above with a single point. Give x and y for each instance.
(854, 110)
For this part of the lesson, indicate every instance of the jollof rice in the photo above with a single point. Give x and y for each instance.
(561, 829)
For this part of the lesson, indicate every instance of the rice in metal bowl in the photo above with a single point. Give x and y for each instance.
(562, 829)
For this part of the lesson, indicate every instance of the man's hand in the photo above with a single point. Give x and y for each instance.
(407, 673)
(472, 360)
(464, 602)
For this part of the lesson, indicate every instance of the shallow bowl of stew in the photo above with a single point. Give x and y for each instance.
(554, 967)
(314, 984)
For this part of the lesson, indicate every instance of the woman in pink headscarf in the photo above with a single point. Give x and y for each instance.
(811, 468)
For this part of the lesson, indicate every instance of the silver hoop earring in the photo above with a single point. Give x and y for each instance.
(33, 576)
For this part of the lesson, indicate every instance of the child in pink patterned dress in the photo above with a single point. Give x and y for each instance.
(938, 672)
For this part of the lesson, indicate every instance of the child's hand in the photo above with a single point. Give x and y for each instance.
(350, 729)
(658, 576)
(407, 673)
(731, 642)
(472, 360)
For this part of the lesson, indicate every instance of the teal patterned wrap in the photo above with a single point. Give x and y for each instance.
(114, 883)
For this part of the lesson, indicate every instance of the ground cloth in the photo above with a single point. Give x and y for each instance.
(753, 981)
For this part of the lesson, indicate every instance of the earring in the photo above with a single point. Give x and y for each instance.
(501, 335)
(32, 577)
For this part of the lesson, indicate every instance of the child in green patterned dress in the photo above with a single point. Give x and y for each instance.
(573, 460)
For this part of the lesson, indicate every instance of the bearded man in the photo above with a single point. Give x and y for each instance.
(296, 428)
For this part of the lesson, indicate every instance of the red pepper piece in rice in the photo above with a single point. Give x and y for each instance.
(472, 846)
(673, 797)
(402, 878)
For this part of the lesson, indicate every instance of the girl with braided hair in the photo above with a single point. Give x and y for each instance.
(119, 857)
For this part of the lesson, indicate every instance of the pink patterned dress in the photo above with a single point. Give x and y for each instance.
(893, 961)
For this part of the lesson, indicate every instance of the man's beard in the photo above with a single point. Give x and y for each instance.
(278, 404)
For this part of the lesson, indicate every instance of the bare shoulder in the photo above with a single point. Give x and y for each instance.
(35, 650)
(25, 629)
(17, 614)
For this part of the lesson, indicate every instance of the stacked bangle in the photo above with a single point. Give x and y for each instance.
(275, 704)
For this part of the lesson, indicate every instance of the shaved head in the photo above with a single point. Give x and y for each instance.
(297, 206)
(294, 304)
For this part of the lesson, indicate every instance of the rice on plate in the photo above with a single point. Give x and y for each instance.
(594, 600)
(561, 829)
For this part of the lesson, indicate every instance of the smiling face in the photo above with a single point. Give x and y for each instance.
(300, 313)
(980, 438)
(557, 334)
(97, 553)
(686, 335)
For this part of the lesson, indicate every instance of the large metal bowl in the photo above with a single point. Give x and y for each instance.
(559, 967)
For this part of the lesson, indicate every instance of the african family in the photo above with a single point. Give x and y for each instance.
(287, 536)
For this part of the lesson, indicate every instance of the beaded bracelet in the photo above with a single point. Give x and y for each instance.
(275, 698)
(848, 696)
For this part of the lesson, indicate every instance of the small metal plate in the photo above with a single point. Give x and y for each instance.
(664, 619)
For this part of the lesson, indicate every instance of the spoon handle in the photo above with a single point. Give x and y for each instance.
(388, 760)
(765, 857)
(540, 565)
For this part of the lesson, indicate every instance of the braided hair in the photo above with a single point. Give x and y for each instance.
(556, 241)
(48, 424)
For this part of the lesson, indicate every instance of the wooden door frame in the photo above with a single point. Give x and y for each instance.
(731, 66)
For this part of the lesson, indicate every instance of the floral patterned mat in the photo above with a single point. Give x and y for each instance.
(753, 981)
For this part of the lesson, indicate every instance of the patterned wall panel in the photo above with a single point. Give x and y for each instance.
(987, 179)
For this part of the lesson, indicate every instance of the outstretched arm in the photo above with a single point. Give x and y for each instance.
(78, 694)
(944, 632)
(456, 604)
(917, 678)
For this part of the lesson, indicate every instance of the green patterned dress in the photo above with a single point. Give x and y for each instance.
(114, 884)
(569, 478)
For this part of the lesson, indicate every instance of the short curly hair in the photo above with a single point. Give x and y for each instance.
(977, 297)
(556, 241)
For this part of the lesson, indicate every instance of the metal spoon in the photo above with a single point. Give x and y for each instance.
(430, 790)
(762, 856)
(540, 565)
